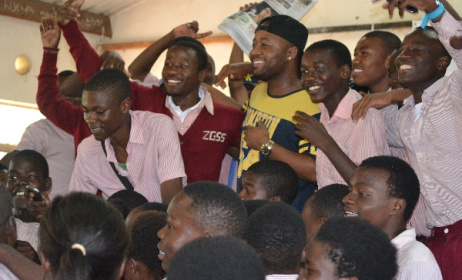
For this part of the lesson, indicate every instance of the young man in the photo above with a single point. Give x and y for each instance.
(350, 249)
(28, 169)
(129, 149)
(323, 205)
(207, 130)
(326, 68)
(270, 180)
(200, 209)
(268, 128)
(384, 191)
(276, 231)
(429, 126)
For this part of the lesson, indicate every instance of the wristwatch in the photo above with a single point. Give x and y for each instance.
(266, 148)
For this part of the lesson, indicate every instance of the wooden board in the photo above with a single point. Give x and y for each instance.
(35, 10)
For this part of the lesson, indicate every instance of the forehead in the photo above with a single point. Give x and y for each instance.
(372, 43)
(371, 177)
(275, 39)
(318, 56)
(179, 207)
(25, 163)
(421, 37)
(98, 98)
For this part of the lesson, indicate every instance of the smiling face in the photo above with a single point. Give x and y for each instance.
(104, 114)
(369, 196)
(421, 60)
(180, 229)
(24, 171)
(370, 67)
(322, 77)
(252, 189)
(269, 55)
(181, 73)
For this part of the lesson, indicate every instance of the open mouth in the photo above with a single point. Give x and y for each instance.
(406, 67)
(314, 88)
(350, 214)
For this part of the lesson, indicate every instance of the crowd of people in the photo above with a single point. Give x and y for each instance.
(347, 167)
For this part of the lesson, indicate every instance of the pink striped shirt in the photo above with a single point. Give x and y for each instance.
(434, 141)
(154, 156)
(358, 141)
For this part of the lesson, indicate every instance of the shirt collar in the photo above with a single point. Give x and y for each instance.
(344, 108)
(205, 100)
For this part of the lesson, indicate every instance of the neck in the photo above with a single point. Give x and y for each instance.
(392, 230)
(332, 101)
(283, 85)
(119, 139)
(383, 86)
(186, 101)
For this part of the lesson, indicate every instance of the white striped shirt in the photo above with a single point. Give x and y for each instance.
(358, 141)
(154, 156)
(434, 141)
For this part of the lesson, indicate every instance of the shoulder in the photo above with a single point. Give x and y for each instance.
(226, 110)
(150, 119)
(89, 146)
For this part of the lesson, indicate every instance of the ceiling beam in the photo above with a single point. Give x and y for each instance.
(35, 10)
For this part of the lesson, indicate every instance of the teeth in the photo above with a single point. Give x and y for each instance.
(358, 70)
(350, 214)
(314, 88)
(173, 81)
(405, 67)
(96, 129)
(161, 252)
(257, 62)
(20, 194)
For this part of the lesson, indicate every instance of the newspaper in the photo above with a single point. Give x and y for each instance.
(241, 26)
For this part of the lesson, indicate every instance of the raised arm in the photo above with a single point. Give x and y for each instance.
(143, 63)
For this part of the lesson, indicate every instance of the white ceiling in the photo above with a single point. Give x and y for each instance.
(145, 20)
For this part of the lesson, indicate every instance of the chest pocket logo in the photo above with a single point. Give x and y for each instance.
(215, 136)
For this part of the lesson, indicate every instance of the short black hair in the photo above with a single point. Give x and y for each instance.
(6, 205)
(358, 249)
(277, 178)
(217, 257)
(111, 81)
(337, 50)
(252, 205)
(327, 202)
(216, 208)
(86, 220)
(36, 156)
(65, 73)
(277, 232)
(198, 47)
(390, 41)
(144, 240)
(131, 198)
(402, 181)
(3, 167)
(157, 206)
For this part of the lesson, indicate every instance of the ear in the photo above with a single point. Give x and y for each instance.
(203, 75)
(292, 53)
(10, 231)
(398, 206)
(443, 63)
(276, 198)
(48, 184)
(321, 221)
(387, 62)
(126, 105)
(345, 72)
(121, 270)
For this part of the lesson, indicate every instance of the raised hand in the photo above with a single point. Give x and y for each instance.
(189, 29)
(50, 33)
(70, 11)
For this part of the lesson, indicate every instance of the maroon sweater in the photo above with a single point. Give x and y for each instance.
(205, 143)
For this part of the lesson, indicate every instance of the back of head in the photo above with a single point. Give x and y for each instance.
(219, 257)
(337, 50)
(6, 206)
(402, 181)
(82, 237)
(143, 240)
(198, 47)
(252, 205)
(132, 199)
(327, 202)
(358, 249)
(111, 81)
(35, 156)
(390, 41)
(277, 232)
(216, 208)
(277, 178)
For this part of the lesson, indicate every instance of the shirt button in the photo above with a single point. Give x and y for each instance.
(446, 230)
(181, 142)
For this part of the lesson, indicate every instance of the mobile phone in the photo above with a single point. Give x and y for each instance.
(34, 193)
(409, 9)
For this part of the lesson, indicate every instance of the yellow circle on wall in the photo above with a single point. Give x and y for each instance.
(22, 64)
